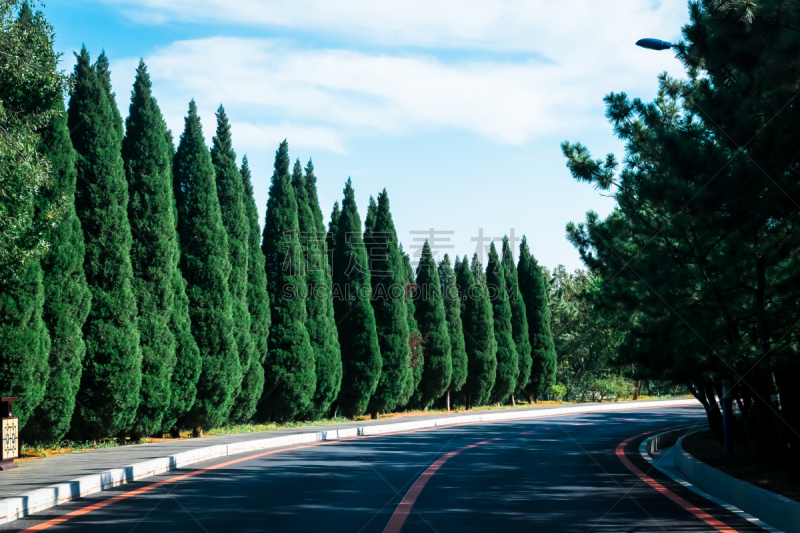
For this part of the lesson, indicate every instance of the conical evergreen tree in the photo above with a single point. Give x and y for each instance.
(372, 211)
(333, 230)
(66, 295)
(519, 318)
(432, 323)
(112, 370)
(507, 359)
(183, 382)
(102, 67)
(230, 191)
(205, 265)
(150, 211)
(479, 341)
(452, 311)
(534, 294)
(388, 277)
(355, 319)
(290, 374)
(257, 301)
(319, 304)
(417, 356)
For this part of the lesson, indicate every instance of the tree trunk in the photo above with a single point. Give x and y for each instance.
(512, 400)
(175, 433)
(374, 415)
(637, 390)
(197, 432)
(448, 401)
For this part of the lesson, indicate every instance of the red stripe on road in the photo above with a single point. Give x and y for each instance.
(404, 509)
(705, 517)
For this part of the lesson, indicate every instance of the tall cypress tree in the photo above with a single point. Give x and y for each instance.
(452, 311)
(479, 341)
(355, 319)
(112, 371)
(372, 211)
(417, 356)
(519, 319)
(206, 266)
(150, 211)
(507, 359)
(230, 191)
(388, 277)
(66, 295)
(183, 382)
(319, 304)
(534, 294)
(257, 301)
(102, 67)
(290, 374)
(433, 329)
(333, 230)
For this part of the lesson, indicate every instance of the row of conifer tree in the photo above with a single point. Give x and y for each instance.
(161, 304)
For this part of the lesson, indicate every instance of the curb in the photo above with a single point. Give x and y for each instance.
(772, 508)
(671, 438)
(41, 499)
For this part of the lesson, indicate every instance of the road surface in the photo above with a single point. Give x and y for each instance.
(559, 474)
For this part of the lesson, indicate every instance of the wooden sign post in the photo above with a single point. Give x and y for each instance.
(9, 444)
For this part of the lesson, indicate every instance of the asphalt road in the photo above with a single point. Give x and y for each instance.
(559, 474)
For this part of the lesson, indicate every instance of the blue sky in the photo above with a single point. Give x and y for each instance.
(456, 107)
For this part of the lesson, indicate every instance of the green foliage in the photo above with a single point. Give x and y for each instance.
(188, 363)
(355, 319)
(534, 294)
(112, 369)
(257, 300)
(519, 317)
(387, 274)
(66, 295)
(319, 305)
(333, 230)
(479, 341)
(31, 92)
(230, 191)
(290, 375)
(417, 356)
(507, 374)
(455, 331)
(432, 323)
(206, 266)
(148, 169)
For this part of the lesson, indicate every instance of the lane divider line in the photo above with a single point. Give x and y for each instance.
(702, 515)
(404, 507)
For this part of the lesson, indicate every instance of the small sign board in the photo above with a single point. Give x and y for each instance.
(9, 433)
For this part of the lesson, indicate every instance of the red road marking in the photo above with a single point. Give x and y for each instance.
(705, 517)
(404, 508)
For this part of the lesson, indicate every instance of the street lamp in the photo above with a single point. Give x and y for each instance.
(654, 44)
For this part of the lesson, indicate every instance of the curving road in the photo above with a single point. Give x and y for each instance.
(560, 474)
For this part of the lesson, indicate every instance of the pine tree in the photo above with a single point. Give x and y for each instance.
(355, 319)
(452, 310)
(388, 277)
(66, 295)
(534, 294)
(148, 171)
(290, 374)
(112, 369)
(205, 265)
(257, 301)
(479, 341)
(507, 359)
(417, 356)
(230, 191)
(319, 304)
(432, 323)
(519, 319)
(188, 363)
(102, 67)
(333, 229)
